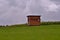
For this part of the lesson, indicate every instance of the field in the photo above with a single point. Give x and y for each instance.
(24, 32)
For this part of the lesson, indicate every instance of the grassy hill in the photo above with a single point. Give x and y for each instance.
(25, 32)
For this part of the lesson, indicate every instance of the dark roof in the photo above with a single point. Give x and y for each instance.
(33, 16)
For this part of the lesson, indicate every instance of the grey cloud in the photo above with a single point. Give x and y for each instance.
(56, 1)
(15, 11)
(12, 3)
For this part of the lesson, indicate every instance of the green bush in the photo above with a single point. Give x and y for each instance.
(50, 23)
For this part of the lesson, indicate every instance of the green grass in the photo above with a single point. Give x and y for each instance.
(24, 32)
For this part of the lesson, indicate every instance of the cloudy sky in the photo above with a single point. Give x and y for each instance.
(15, 11)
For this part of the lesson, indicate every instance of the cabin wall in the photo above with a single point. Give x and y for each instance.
(34, 20)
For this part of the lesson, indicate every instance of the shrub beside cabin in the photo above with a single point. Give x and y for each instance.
(34, 20)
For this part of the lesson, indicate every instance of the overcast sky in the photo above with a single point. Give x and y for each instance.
(15, 11)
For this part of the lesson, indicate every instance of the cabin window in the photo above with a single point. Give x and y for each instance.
(34, 19)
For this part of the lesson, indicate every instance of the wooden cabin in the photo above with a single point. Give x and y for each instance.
(34, 20)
